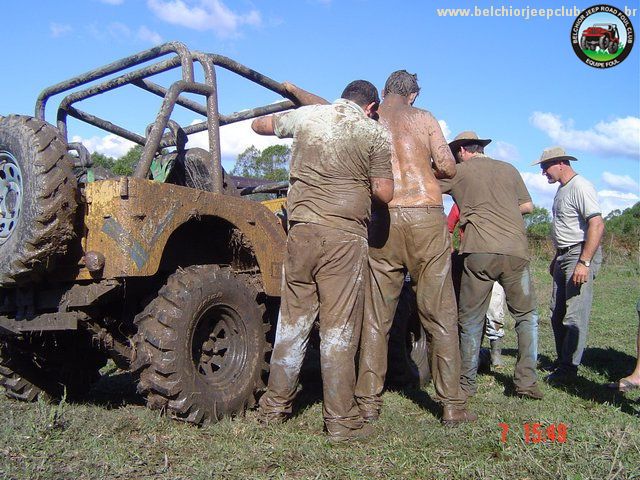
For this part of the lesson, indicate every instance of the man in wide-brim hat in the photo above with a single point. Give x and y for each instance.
(554, 155)
(494, 318)
(576, 233)
(492, 198)
(466, 138)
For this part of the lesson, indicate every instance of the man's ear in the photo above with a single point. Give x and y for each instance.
(412, 97)
(371, 110)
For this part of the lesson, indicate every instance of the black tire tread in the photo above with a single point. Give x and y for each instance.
(158, 326)
(52, 228)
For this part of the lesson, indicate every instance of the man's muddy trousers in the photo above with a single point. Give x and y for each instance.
(413, 240)
(481, 270)
(324, 276)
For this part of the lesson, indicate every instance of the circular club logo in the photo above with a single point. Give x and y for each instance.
(602, 36)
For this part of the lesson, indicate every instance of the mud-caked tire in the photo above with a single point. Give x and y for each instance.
(15, 386)
(49, 367)
(408, 358)
(203, 339)
(37, 198)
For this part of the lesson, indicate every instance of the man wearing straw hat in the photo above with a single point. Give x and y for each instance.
(492, 199)
(576, 232)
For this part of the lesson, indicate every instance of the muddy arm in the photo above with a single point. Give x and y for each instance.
(302, 97)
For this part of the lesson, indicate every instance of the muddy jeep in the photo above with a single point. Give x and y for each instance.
(172, 272)
(603, 35)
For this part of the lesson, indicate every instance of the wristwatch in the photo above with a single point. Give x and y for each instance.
(586, 263)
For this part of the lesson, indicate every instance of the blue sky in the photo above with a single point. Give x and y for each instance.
(513, 80)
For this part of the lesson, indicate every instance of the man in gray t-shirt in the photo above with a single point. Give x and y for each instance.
(576, 233)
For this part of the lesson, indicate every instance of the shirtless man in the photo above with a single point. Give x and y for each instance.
(410, 235)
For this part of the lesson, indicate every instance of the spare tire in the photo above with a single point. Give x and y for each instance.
(37, 198)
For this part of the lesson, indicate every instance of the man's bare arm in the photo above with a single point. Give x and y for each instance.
(302, 97)
(382, 189)
(263, 125)
(444, 165)
(526, 207)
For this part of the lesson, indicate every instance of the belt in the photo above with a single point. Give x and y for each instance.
(439, 208)
(563, 250)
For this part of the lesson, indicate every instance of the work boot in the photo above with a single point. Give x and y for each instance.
(453, 415)
(561, 376)
(496, 353)
(266, 419)
(532, 392)
(370, 416)
(351, 434)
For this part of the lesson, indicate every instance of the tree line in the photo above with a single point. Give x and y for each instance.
(622, 226)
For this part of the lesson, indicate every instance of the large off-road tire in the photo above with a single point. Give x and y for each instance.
(37, 198)
(603, 43)
(408, 359)
(204, 339)
(583, 43)
(15, 386)
(52, 366)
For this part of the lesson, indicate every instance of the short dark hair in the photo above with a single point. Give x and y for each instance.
(402, 83)
(361, 92)
(473, 148)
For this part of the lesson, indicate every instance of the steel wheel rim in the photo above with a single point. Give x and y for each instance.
(10, 195)
(219, 350)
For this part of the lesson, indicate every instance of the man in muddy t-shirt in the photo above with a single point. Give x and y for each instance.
(410, 235)
(492, 198)
(340, 160)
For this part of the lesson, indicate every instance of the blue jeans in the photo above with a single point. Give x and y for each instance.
(481, 270)
(571, 307)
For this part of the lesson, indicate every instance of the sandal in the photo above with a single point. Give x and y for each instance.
(623, 385)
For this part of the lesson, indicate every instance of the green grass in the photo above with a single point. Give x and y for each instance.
(114, 436)
(602, 56)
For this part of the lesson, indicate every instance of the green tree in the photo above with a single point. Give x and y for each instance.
(624, 225)
(101, 160)
(538, 223)
(271, 163)
(126, 164)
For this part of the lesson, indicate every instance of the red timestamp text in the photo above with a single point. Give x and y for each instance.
(537, 432)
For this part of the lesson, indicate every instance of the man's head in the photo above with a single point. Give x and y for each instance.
(402, 83)
(365, 94)
(467, 145)
(555, 165)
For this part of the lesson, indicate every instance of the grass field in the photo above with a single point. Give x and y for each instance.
(602, 56)
(112, 435)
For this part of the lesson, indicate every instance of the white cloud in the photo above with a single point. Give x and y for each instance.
(619, 137)
(614, 200)
(503, 151)
(59, 29)
(235, 139)
(620, 182)
(541, 191)
(110, 145)
(446, 131)
(149, 36)
(204, 15)
(118, 30)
